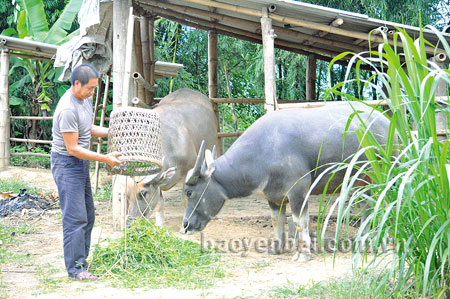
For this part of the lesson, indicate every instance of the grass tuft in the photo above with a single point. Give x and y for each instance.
(153, 257)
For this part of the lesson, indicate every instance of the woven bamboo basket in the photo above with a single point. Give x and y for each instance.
(136, 134)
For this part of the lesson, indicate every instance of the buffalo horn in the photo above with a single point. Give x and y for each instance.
(200, 156)
(214, 152)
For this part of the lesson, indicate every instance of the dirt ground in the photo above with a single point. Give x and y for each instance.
(252, 272)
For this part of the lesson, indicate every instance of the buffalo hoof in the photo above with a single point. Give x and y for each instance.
(274, 250)
(302, 257)
(185, 232)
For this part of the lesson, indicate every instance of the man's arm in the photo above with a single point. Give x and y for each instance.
(71, 142)
(98, 131)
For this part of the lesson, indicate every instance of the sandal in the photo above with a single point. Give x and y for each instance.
(83, 276)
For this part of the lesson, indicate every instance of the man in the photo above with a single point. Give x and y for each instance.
(72, 130)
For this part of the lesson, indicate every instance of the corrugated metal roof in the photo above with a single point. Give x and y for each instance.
(300, 27)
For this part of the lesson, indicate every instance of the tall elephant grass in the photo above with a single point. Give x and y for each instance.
(410, 196)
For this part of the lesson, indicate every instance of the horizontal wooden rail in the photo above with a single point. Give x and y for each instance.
(229, 134)
(31, 140)
(42, 118)
(32, 117)
(30, 154)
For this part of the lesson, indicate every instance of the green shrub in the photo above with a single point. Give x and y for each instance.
(30, 161)
(410, 193)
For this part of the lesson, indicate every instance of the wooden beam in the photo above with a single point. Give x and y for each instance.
(254, 38)
(256, 27)
(300, 23)
(236, 32)
(4, 110)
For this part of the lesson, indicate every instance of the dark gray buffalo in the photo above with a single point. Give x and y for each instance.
(269, 158)
(187, 117)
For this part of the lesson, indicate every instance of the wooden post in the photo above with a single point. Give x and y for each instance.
(128, 60)
(212, 76)
(268, 38)
(441, 93)
(120, 21)
(138, 62)
(4, 110)
(311, 78)
(143, 24)
(151, 48)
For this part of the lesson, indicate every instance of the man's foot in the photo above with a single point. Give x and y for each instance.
(83, 276)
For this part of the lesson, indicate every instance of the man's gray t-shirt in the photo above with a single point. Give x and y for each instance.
(72, 115)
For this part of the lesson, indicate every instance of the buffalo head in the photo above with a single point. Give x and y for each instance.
(205, 196)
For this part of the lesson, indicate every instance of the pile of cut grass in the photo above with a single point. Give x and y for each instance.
(149, 256)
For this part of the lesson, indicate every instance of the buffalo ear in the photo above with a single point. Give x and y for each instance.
(151, 179)
(160, 177)
(194, 173)
(209, 164)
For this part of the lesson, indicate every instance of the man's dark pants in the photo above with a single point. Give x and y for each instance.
(77, 205)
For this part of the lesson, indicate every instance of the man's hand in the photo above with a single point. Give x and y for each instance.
(112, 159)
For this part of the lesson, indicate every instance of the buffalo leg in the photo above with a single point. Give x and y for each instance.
(278, 221)
(301, 220)
(159, 211)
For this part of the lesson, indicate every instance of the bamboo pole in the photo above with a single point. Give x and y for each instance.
(96, 106)
(31, 140)
(138, 62)
(4, 110)
(335, 23)
(102, 122)
(35, 57)
(140, 81)
(138, 103)
(250, 101)
(268, 37)
(229, 134)
(322, 103)
(32, 117)
(311, 69)
(30, 154)
(146, 61)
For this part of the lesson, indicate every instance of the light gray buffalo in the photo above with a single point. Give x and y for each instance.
(187, 117)
(270, 157)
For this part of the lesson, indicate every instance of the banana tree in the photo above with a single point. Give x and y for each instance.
(32, 24)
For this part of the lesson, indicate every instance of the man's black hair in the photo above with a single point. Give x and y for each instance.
(84, 73)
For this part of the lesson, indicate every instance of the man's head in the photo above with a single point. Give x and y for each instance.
(84, 80)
